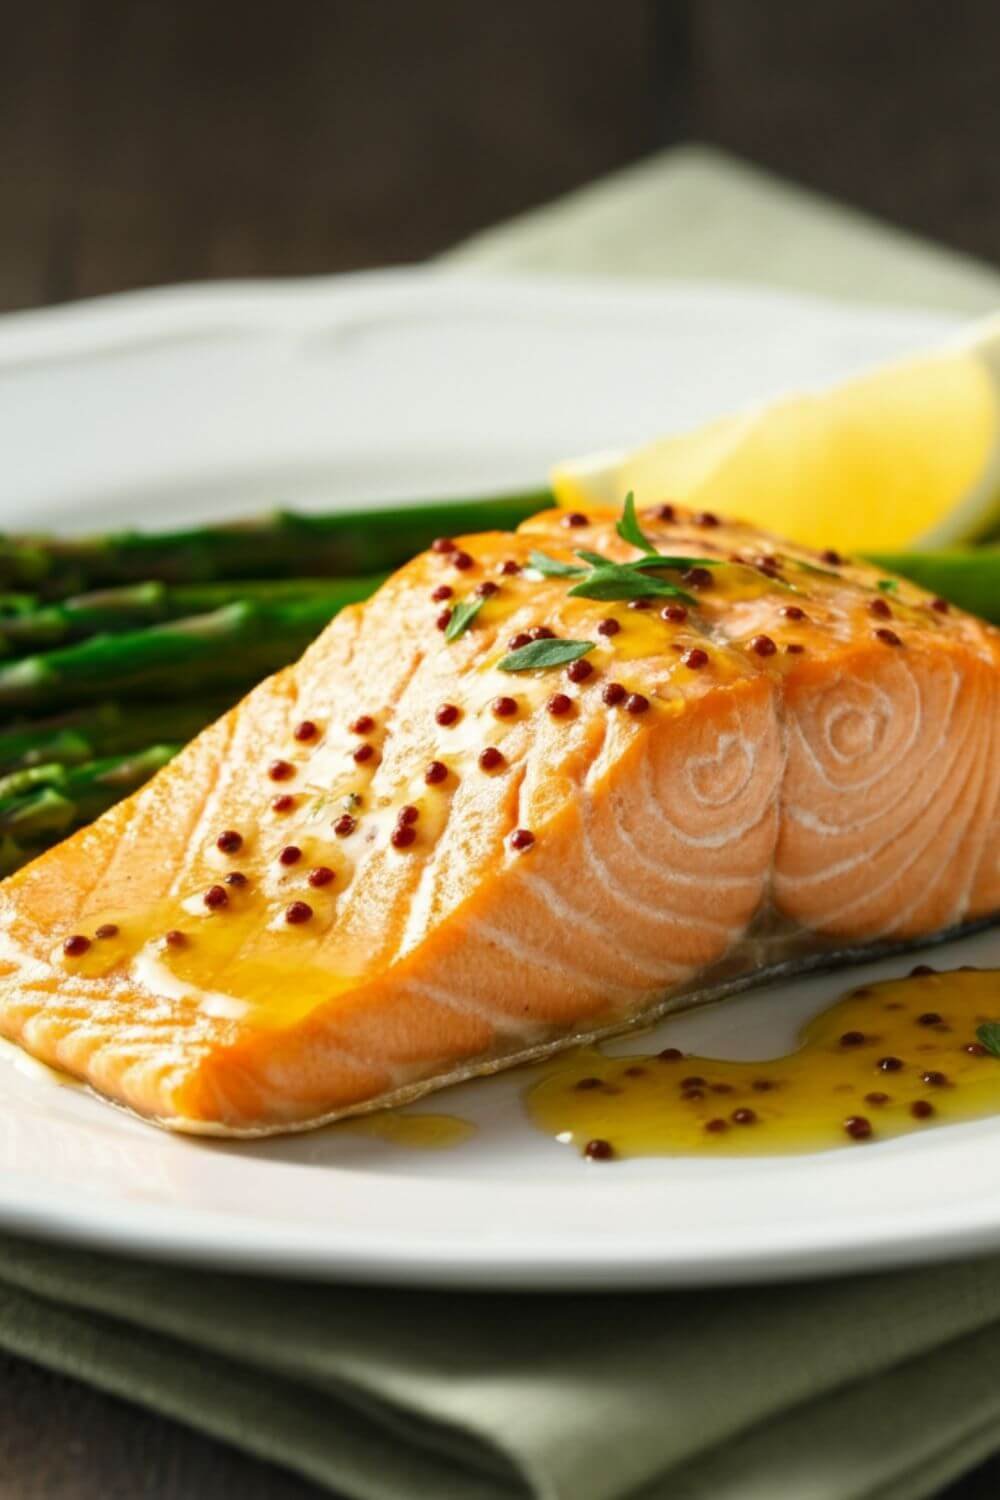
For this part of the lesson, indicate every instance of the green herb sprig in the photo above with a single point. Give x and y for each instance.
(551, 567)
(547, 653)
(622, 581)
(462, 617)
(989, 1035)
(630, 531)
(653, 560)
(609, 580)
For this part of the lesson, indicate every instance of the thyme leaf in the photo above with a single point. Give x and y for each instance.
(989, 1035)
(610, 580)
(548, 653)
(663, 560)
(462, 617)
(622, 581)
(628, 527)
(323, 797)
(551, 567)
(654, 560)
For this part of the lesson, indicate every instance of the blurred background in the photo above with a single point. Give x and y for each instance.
(145, 142)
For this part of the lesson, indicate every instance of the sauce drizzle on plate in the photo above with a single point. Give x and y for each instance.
(884, 1060)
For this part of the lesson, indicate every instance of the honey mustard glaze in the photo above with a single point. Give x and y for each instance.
(246, 939)
(224, 962)
(884, 1060)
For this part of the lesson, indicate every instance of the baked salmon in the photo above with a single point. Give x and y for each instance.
(542, 786)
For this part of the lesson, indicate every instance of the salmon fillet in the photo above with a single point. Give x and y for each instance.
(397, 863)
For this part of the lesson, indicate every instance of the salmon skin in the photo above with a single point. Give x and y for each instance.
(409, 859)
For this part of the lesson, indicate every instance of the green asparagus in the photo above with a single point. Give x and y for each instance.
(94, 731)
(14, 854)
(208, 637)
(282, 544)
(132, 606)
(196, 654)
(47, 802)
(12, 605)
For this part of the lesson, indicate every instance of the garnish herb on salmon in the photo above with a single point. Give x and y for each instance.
(404, 860)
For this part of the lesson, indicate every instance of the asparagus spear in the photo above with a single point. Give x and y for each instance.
(53, 793)
(248, 639)
(198, 653)
(13, 854)
(131, 606)
(102, 729)
(12, 605)
(282, 544)
(970, 579)
(48, 801)
(279, 545)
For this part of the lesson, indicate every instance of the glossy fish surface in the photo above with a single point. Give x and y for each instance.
(520, 797)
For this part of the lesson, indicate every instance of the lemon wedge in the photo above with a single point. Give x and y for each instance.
(907, 455)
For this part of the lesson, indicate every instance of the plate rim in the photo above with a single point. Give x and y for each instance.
(222, 1242)
(190, 1235)
(88, 326)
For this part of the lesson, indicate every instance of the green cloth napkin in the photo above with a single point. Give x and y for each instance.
(878, 1388)
(697, 213)
(885, 1386)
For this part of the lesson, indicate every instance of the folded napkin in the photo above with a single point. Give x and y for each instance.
(698, 213)
(884, 1386)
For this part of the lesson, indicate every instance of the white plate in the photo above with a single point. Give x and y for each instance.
(174, 405)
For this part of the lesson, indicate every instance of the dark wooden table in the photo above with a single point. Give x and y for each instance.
(142, 142)
(60, 1440)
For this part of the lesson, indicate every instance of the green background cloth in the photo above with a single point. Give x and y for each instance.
(882, 1386)
(696, 213)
